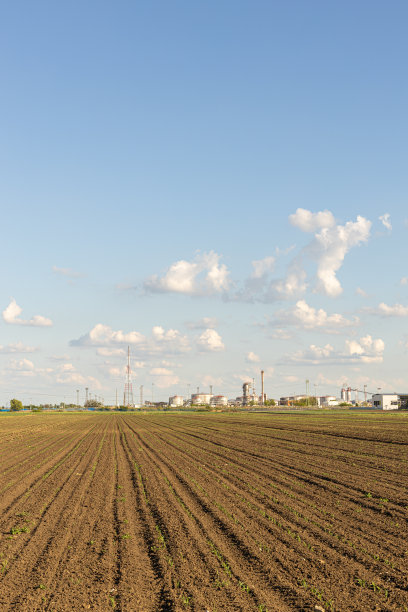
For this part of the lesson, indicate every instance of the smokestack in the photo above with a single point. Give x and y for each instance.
(262, 388)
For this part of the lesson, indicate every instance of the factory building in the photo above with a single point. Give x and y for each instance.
(325, 401)
(386, 401)
(176, 400)
(287, 401)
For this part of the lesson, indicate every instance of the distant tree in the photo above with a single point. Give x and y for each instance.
(270, 402)
(93, 404)
(15, 405)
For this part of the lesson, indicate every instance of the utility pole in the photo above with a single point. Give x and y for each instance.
(152, 394)
(141, 395)
(116, 397)
(86, 395)
(78, 399)
(307, 392)
(365, 395)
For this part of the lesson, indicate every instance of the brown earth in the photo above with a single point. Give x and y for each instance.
(204, 512)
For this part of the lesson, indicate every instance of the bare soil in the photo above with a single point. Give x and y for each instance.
(204, 512)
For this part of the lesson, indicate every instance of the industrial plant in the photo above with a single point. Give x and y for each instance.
(348, 397)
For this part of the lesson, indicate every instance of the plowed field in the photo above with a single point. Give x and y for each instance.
(204, 512)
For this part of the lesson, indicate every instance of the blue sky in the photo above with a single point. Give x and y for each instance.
(136, 136)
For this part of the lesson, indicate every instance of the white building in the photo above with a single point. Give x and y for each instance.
(385, 401)
(327, 401)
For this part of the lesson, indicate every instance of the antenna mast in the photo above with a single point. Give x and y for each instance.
(128, 394)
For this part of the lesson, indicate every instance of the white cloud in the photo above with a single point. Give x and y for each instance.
(204, 323)
(261, 267)
(404, 280)
(214, 381)
(304, 316)
(68, 272)
(103, 335)
(161, 341)
(12, 312)
(290, 378)
(170, 341)
(210, 340)
(329, 249)
(204, 275)
(361, 292)
(384, 310)
(110, 352)
(164, 377)
(281, 334)
(385, 220)
(365, 350)
(75, 378)
(292, 286)
(307, 221)
(252, 357)
(17, 347)
(22, 365)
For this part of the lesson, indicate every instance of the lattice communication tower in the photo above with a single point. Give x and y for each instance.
(128, 392)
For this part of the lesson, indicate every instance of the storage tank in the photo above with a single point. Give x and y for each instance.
(201, 398)
(219, 400)
(176, 400)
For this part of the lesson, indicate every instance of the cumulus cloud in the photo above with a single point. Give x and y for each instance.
(161, 341)
(12, 313)
(261, 267)
(210, 340)
(307, 221)
(252, 357)
(329, 249)
(17, 347)
(22, 366)
(384, 310)
(170, 341)
(103, 335)
(404, 280)
(386, 221)
(304, 316)
(204, 275)
(365, 350)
